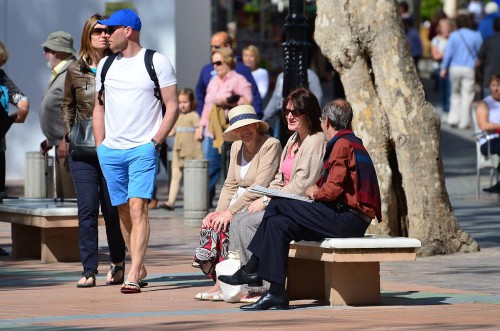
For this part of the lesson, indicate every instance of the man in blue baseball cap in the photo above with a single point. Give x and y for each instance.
(129, 129)
(125, 17)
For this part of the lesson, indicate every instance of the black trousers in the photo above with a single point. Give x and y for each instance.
(494, 147)
(286, 220)
(91, 192)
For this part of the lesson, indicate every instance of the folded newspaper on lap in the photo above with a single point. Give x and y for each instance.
(276, 193)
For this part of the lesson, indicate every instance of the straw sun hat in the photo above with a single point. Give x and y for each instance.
(240, 116)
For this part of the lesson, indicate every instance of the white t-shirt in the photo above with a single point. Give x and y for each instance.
(261, 77)
(132, 112)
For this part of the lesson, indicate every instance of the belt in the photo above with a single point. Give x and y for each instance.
(184, 129)
(361, 215)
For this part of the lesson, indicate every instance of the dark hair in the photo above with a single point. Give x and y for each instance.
(305, 102)
(339, 114)
(463, 21)
(495, 77)
(404, 5)
(4, 55)
(496, 24)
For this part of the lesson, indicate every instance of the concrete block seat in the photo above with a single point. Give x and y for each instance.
(45, 229)
(344, 271)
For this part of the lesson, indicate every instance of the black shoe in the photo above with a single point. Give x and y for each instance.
(269, 301)
(240, 277)
(494, 189)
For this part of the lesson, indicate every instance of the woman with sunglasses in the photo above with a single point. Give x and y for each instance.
(300, 166)
(226, 90)
(90, 185)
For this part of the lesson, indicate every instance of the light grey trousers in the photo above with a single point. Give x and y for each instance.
(242, 229)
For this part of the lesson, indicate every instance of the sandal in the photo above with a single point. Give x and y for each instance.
(113, 270)
(207, 267)
(131, 289)
(87, 275)
(217, 297)
(206, 296)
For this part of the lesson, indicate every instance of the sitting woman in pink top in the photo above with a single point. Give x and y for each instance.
(301, 165)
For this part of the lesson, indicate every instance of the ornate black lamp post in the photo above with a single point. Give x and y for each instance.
(295, 54)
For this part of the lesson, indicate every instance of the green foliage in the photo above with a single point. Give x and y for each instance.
(429, 7)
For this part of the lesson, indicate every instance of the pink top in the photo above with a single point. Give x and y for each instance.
(287, 165)
(222, 88)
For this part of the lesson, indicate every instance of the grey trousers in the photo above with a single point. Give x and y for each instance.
(242, 229)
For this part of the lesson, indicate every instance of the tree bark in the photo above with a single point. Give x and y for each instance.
(366, 44)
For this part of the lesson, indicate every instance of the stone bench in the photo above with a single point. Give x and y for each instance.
(44, 229)
(344, 271)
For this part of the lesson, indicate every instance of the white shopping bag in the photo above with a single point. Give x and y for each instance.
(230, 293)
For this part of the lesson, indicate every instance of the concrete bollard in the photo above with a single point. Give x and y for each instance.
(39, 181)
(195, 191)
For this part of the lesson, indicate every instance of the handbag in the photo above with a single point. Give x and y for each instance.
(230, 293)
(81, 140)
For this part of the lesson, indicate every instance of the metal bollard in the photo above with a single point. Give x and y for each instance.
(195, 191)
(39, 181)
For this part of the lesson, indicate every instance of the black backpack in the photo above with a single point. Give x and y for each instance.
(148, 61)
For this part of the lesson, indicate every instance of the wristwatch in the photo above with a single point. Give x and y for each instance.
(265, 200)
(156, 144)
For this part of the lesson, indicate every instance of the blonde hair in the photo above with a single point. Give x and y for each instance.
(254, 50)
(227, 56)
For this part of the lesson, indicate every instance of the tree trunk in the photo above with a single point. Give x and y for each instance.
(366, 44)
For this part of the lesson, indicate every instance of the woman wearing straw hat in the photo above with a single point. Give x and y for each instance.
(254, 160)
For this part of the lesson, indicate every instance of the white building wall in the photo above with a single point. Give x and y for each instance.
(180, 29)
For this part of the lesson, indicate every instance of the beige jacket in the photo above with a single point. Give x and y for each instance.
(307, 166)
(260, 172)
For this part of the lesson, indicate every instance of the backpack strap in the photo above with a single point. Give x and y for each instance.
(104, 71)
(148, 61)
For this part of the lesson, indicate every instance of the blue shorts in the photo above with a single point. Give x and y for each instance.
(130, 173)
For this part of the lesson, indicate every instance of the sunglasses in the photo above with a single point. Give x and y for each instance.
(215, 46)
(295, 113)
(111, 29)
(99, 31)
(217, 63)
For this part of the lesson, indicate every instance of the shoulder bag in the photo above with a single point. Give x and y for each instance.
(81, 140)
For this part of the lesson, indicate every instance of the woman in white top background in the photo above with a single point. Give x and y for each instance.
(251, 58)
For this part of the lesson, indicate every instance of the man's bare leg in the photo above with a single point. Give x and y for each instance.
(135, 230)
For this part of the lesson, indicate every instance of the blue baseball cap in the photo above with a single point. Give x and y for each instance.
(125, 17)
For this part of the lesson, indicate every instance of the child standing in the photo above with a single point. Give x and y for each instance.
(185, 146)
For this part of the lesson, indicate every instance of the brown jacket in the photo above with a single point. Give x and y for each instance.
(261, 171)
(79, 94)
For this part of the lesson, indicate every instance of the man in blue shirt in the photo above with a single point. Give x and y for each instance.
(219, 40)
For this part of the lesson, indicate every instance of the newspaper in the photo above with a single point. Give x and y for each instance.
(276, 193)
